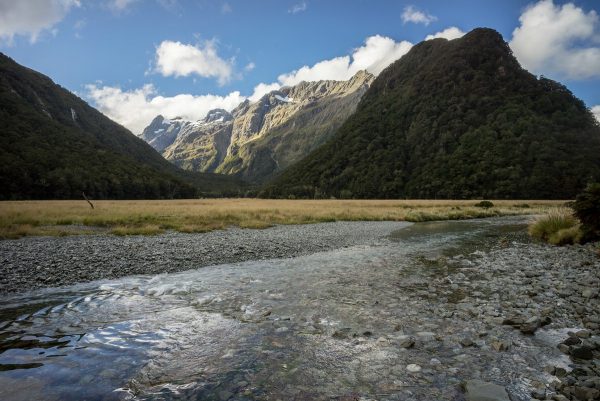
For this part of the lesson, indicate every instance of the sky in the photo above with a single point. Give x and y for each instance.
(135, 59)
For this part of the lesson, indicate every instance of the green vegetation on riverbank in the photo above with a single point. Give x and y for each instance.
(578, 223)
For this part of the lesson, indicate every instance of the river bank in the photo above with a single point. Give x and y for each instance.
(37, 262)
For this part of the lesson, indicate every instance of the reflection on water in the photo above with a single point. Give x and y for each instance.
(314, 327)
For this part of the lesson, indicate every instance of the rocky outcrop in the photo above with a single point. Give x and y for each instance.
(162, 132)
(260, 138)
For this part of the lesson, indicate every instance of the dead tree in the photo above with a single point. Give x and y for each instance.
(88, 201)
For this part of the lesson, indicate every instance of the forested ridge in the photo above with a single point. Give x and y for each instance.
(53, 145)
(455, 119)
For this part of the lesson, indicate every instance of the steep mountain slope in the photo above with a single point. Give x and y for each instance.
(455, 119)
(53, 145)
(259, 139)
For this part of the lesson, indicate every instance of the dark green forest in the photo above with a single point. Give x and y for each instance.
(55, 146)
(455, 119)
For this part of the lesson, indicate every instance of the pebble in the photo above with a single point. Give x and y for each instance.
(413, 368)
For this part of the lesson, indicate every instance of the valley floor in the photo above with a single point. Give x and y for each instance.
(151, 217)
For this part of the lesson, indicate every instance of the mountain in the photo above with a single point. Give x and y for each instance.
(54, 145)
(259, 139)
(455, 119)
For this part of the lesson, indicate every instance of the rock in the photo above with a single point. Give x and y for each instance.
(477, 390)
(529, 328)
(582, 352)
(406, 342)
(585, 393)
(413, 368)
(435, 362)
(500, 345)
(583, 334)
(560, 372)
(466, 342)
(539, 394)
(513, 321)
(342, 333)
(572, 340)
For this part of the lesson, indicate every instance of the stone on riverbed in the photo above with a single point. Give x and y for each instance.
(413, 368)
(477, 390)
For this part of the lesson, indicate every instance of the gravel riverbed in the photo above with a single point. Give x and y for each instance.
(36, 262)
(448, 311)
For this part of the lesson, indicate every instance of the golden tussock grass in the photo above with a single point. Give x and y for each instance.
(558, 226)
(149, 217)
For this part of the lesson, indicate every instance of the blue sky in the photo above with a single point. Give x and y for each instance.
(136, 58)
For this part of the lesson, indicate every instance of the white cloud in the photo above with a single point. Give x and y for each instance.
(120, 5)
(226, 8)
(448, 33)
(31, 17)
(262, 89)
(180, 60)
(298, 8)
(596, 112)
(376, 54)
(412, 14)
(250, 66)
(136, 108)
(558, 40)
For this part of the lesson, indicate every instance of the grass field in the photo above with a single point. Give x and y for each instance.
(23, 218)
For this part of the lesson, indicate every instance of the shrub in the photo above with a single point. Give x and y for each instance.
(549, 225)
(587, 209)
(566, 236)
(485, 204)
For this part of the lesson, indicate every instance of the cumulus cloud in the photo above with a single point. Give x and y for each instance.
(31, 17)
(558, 40)
(376, 54)
(298, 8)
(448, 33)
(262, 89)
(412, 14)
(119, 5)
(596, 111)
(226, 8)
(181, 60)
(136, 108)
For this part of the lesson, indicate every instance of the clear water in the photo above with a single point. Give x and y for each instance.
(324, 326)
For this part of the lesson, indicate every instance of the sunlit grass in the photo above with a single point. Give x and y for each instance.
(558, 227)
(23, 218)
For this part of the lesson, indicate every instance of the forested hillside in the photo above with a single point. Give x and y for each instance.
(54, 145)
(455, 119)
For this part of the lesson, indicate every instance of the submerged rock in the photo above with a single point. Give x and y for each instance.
(477, 390)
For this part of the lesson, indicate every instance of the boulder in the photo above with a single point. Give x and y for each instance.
(477, 390)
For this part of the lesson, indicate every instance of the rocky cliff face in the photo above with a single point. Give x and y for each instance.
(259, 139)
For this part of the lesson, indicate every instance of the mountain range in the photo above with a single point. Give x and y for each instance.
(450, 119)
(260, 139)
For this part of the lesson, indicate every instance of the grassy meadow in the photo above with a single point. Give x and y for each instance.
(148, 217)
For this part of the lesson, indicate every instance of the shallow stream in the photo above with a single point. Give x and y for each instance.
(332, 325)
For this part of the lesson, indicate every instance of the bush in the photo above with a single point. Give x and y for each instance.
(485, 204)
(554, 227)
(566, 236)
(587, 209)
